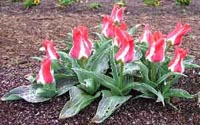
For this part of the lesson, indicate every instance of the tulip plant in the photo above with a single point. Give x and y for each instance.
(53, 78)
(110, 67)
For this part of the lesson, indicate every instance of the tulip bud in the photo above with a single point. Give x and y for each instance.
(82, 46)
(46, 75)
(176, 64)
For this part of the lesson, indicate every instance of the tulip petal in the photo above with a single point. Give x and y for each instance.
(45, 75)
(82, 46)
(176, 64)
(175, 37)
(156, 49)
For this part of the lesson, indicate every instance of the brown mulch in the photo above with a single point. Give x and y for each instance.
(22, 31)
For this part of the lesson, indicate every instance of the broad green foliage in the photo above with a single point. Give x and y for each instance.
(108, 104)
(78, 100)
(35, 93)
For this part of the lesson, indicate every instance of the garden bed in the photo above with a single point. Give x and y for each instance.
(21, 33)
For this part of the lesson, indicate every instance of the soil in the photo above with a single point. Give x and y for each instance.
(22, 31)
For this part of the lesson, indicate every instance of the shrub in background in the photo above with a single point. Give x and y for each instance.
(152, 2)
(184, 2)
(66, 2)
(30, 3)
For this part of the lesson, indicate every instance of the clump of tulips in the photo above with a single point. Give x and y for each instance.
(110, 67)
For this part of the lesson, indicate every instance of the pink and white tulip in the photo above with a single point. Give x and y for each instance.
(156, 48)
(126, 50)
(82, 46)
(176, 64)
(46, 74)
(120, 35)
(108, 27)
(175, 37)
(146, 35)
(117, 13)
(50, 49)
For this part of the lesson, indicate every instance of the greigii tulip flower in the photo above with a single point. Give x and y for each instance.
(120, 35)
(82, 46)
(176, 64)
(108, 27)
(156, 48)
(146, 35)
(117, 13)
(46, 74)
(126, 50)
(175, 37)
(50, 49)
(122, 26)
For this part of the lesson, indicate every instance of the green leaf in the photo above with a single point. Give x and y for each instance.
(78, 101)
(75, 64)
(145, 73)
(160, 98)
(137, 54)
(26, 92)
(65, 57)
(190, 65)
(168, 84)
(178, 93)
(146, 96)
(166, 87)
(101, 37)
(44, 92)
(127, 88)
(104, 80)
(145, 88)
(99, 60)
(103, 65)
(64, 83)
(89, 85)
(142, 87)
(64, 87)
(133, 30)
(60, 77)
(131, 69)
(31, 78)
(166, 76)
(188, 62)
(114, 68)
(108, 105)
(128, 79)
(55, 64)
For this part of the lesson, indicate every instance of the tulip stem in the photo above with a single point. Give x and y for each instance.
(83, 62)
(121, 75)
(168, 47)
(153, 71)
